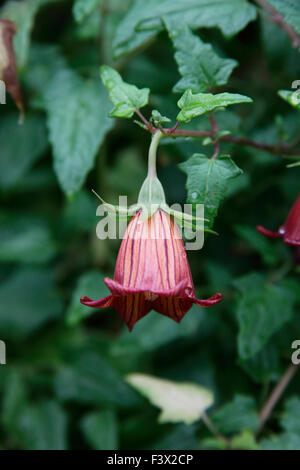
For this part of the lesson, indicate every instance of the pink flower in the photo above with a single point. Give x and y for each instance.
(290, 230)
(152, 273)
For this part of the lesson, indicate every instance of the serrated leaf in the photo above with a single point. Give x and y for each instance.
(207, 181)
(195, 105)
(77, 119)
(178, 401)
(21, 146)
(236, 416)
(100, 430)
(261, 311)
(91, 285)
(145, 19)
(290, 10)
(83, 8)
(125, 97)
(198, 64)
(292, 97)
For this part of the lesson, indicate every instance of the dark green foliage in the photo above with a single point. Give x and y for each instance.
(64, 385)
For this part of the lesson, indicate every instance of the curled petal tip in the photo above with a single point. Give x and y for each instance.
(215, 299)
(267, 233)
(102, 303)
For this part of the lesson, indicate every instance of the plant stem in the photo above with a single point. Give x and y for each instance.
(275, 149)
(276, 395)
(152, 154)
(211, 427)
(279, 19)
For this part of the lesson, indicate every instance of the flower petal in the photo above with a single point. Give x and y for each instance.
(215, 299)
(102, 303)
(268, 233)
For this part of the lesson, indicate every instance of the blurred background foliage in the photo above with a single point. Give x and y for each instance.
(63, 386)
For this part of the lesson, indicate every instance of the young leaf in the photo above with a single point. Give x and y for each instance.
(200, 103)
(207, 181)
(292, 97)
(178, 401)
(125, 97)
(262, 310)
(200, 67)
(77, 119)
(145, 19)
(158, 119)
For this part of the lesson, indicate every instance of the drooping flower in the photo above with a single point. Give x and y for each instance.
(290, 230)
(152, 273)
(8, 70)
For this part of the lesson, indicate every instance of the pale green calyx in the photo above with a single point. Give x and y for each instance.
(151, 192)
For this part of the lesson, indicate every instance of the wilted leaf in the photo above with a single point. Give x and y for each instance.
(125, 97)
(195, 105)
(200, 67)
(178, 401)
(207, 181)
(8, 71)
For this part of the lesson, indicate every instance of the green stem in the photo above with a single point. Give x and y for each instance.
(152, 154)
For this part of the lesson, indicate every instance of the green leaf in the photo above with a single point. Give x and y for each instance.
(285, 441)
(178, 401)
(260, 244)
(43, 426)
(31, 292)
(290, 420)
(292, 97)
(77, 119)
(200, 103)
(290, 10)
(14, 399)
(100, 430)
(262, 310)
(244, 441)
(21, 146)
(83, 8)
(23, 14)
(90, 284)
(125, 97)
(207, 181)
(264, 366)
(200, 67)
(25, 239)
(145, 19)
(236, 416)
(91, 379)
(158, 119)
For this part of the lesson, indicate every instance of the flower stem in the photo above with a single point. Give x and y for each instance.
(152, 154)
